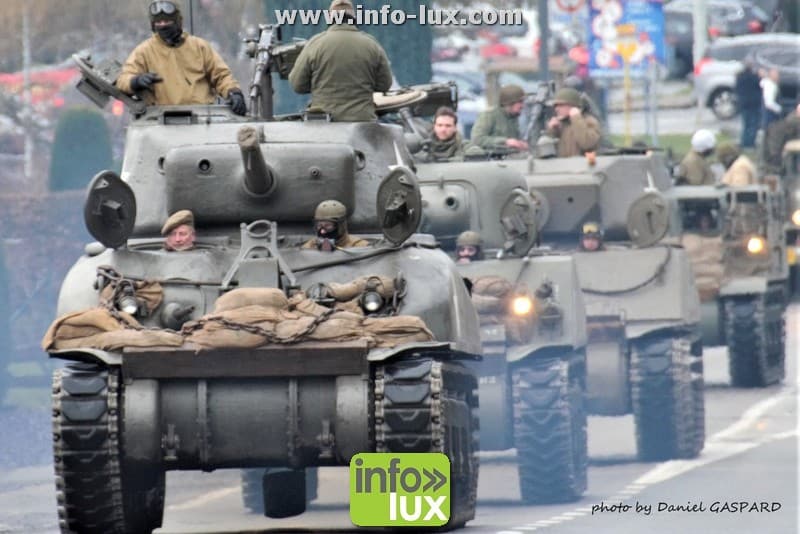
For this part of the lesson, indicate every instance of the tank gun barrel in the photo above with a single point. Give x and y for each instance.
(258, 177)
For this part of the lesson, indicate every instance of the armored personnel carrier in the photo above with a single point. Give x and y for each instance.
(735, 239)
(533, 329)
(644, 354)
(255, 396)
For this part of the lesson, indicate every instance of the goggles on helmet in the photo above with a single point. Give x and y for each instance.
(167, 8)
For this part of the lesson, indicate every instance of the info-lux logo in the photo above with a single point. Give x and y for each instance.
(399, 489)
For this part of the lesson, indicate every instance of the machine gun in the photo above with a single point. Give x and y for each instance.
(538, 111)
(271, 56)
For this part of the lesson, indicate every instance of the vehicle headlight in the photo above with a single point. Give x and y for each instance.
(371, 301)
(796, 217)
(756, 245)
(128, 304)
(521, 305)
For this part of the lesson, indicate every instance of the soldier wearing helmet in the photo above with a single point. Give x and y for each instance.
(469, 247)
(330, 228)
(498, 128)
(173, 67)
(591, 237)
(577, 132)
(342, 67)
(694, 168)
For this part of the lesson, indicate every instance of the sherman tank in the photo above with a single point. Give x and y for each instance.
(644, 353)
(532, 379)
(254, 396)
(735, 239)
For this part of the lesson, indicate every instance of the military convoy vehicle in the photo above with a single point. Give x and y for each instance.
(644, 354)
(123, 415)
(791, 183)
(533, 330)
(735, 239)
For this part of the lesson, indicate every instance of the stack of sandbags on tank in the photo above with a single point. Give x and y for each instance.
(251, 317)
(705, 253)
(98, 328)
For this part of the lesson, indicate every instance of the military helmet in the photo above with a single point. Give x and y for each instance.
(703, 140)
(330, 210)
(511, 94)
(164, 10)
(546, 147)
(591, 228)
(727, 153)
(567, 95)
(469, 239)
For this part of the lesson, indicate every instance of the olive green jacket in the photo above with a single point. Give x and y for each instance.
(576, 136)
(694, 170)
(493, 127)
(452, 149)
(341, 68)
(192, 72)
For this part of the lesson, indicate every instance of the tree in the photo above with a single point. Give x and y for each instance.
(81, 149)
(408, 46)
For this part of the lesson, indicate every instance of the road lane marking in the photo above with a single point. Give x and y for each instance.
(204, 499)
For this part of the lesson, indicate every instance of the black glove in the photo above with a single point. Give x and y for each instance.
(145, 81)
(237, 102)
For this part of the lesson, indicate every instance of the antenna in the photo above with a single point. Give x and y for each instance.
(191, 16)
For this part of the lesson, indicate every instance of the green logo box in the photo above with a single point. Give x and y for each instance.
(399, 489)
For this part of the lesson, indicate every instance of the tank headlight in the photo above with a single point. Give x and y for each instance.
(521, 305)
(371, 301)
(128, 304)
(756, 245)
(796, 217)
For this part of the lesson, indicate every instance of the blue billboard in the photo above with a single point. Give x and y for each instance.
(621, 30)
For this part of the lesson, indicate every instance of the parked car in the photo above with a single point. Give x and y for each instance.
(715, 73)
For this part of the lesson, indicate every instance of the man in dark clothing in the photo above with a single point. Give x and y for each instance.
(445, 142)
(748, 97)
(342, 67)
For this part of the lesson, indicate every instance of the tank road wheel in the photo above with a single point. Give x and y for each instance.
(426, 405)
(664, 401)
(698, 399)
(550, 429)
(755, 336)
(90, 480)
(253, 492)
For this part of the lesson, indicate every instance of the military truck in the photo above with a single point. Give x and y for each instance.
(735, 239)
(123, 416)
(644, 353)
(790, 179)
(533, 329)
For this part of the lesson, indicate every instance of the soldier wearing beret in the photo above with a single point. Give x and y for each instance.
(179, 231)
(498, 128)
(342, 67)
(577, 133)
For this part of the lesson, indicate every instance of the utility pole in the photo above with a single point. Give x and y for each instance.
(27, 111)
(700, 37)
(543, 17)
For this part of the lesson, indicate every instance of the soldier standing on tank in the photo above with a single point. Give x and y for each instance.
(330, 228)
(173, 67)
(739, 170)
(776, 137)
(469, 247)
(498, 128)
(342, 67)
(591, 238)
(577, 132)
(179, 231)
(445, 142)
(694, 168)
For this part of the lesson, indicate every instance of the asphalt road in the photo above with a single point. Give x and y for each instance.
(750, 457)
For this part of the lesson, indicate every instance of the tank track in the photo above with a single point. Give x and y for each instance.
(665, 399)
(550, 428)
(698, 399)
(755, 335)
(253, 493)
(95, 492)
(428, 405)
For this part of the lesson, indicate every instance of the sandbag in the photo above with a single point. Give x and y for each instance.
(351, 290)
(251, 296)
(491, 286)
